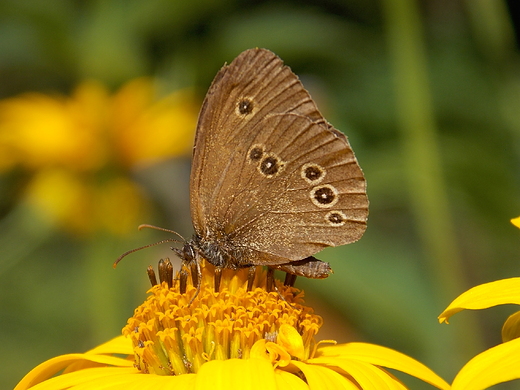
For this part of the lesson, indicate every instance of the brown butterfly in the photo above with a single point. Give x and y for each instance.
(272, 182)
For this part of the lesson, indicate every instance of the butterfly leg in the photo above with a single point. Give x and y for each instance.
(271, 285)
(251, 278)
(290, 279)
(269, 279)
(195, 273)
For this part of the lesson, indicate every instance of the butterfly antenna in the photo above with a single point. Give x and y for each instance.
(142, 247)
(145, 225)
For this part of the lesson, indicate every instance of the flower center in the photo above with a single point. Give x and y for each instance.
(173, 337)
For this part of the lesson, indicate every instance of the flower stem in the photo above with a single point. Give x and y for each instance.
(421, 151)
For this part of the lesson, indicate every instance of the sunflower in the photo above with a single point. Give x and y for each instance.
(500, 363)
(231, 339)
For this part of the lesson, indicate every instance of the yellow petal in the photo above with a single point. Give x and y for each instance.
(287, 381)
(483, 296)
(120, 345)
(239, 374)
(516, 221)
(115, 378)
(52, 366)
(81, 377)
(259, 351)
(324, 378)
(140, 381)
(278, 354)
(496, 365)
(289, 338)
(366, 375)
(511, 328)
(385, 357)
(274, 353)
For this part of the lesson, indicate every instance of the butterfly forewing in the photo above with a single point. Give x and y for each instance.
(256, 76)
(270, 176)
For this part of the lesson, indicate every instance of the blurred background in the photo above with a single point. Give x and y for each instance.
(98, 106)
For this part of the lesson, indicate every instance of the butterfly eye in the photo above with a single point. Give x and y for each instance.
(324, 196)
(256, 153)
(313, 173)
(270, 166)
(245, 106)
(336, 218)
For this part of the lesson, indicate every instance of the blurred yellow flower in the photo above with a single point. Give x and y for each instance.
(78, 150)
(145, 129)
(516, 221)
(37, 130)
(232, 339)
(502, 362)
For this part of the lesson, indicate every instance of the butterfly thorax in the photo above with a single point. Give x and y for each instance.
(219, 251)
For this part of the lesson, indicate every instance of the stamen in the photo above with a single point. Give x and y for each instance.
(166, 271)
(180, 328)
(151, 275)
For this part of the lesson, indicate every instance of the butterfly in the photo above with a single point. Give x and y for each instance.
(272, 182)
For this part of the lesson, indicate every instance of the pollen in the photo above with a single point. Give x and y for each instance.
(173, 335)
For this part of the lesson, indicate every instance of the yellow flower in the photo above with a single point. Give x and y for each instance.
(79, 151)
(502, 362)
(232, 339)
(516, 221)
(145, 129)
(38, 130)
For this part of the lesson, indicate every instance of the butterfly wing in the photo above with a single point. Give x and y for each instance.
(270, 177)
